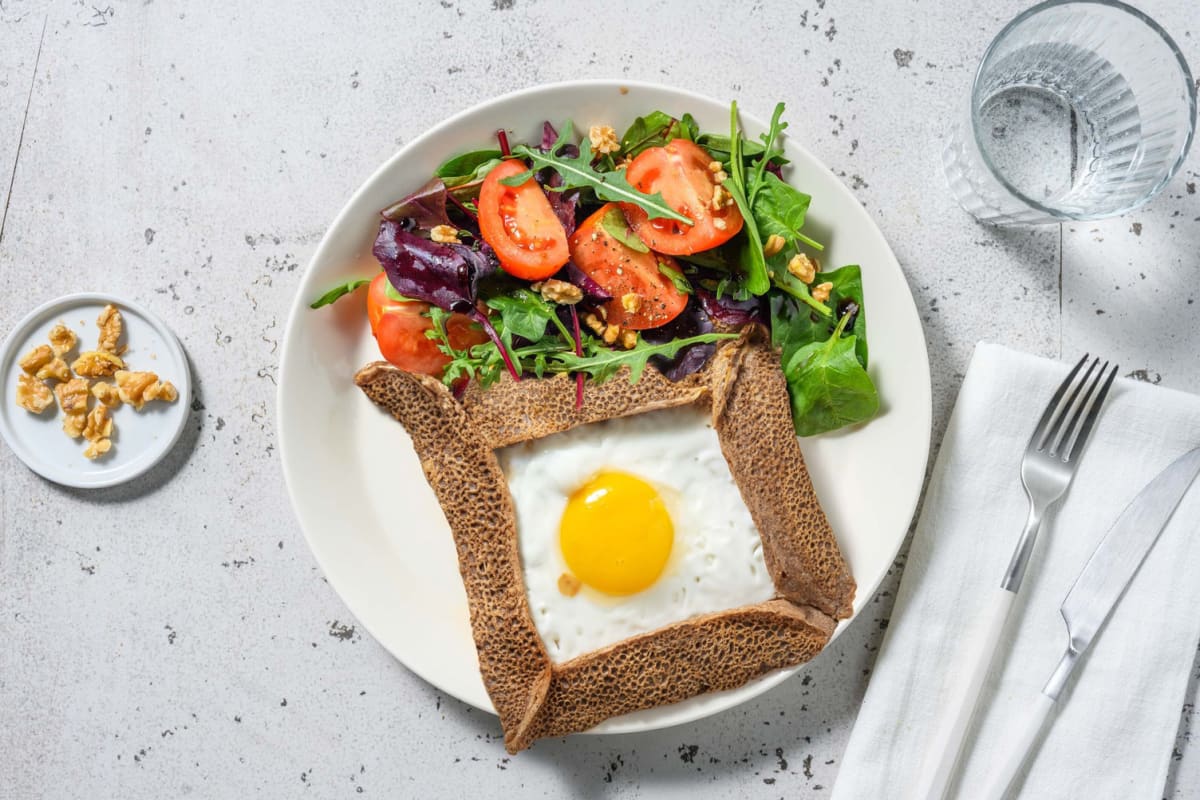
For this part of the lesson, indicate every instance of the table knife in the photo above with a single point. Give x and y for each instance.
(1091, 600)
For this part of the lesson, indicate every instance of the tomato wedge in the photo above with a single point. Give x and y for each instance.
(399, 328)
(680, 171)
(607, 250)
(520, 225)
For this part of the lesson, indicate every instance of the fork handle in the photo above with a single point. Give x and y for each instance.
(947, 742)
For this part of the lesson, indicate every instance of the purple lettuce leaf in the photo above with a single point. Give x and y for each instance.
(550, 136)
(426, 207)
(692, 322)
(563, 204)
(730, 312)
(593, 293)
(446, 275)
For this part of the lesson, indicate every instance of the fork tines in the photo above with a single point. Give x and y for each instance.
(1076, 403)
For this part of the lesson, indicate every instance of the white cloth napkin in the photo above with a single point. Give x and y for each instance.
(1113, 732)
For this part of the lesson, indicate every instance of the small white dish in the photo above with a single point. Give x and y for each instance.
(140, 438)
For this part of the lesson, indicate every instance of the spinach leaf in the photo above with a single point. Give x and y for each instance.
(522, 313)
(615, 225)
(467, 167)
(720, 146)
(828, 386)
(578, 173)
(793, 327)
(780, 209)
(655, 130)
(337, 292)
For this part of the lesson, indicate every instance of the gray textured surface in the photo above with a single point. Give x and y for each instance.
(174, 636)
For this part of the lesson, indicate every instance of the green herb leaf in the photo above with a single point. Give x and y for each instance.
(751, 257)
(467, 167)
(682, 284)
(828, 386)
(522, 313)
(337, 292)
(601, 363)
(655, 130)
(577, 173)
(793, 327)
(615, 225)
(780, 209)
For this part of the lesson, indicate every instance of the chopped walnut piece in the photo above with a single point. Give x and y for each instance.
(110, 325)
(32, 394)
(139, 388)
(802, 268)
(631, 302)
(62, 339)
(73, 396)
(569, 585)
(99, 424)
(720, 176)
(36, 358)
(106, 393)
(97, 364)
(773, 245)
(73, 424)
(714, 167)
(56, 369)
(557, 291)
(603, 139)
(721, 198)
(611, 333)
(821, 291)
(628, 339)
(719, 223)
(97, 448)
(444, 234)
(593, 322)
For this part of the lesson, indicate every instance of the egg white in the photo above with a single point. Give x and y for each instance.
(716, 560)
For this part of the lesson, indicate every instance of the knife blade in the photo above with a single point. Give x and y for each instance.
(1096, 592)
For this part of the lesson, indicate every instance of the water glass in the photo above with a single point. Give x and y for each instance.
(1079, 110)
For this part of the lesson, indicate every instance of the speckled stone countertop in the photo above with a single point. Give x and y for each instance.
(174, 636)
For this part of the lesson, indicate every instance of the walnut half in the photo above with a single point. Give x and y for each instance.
(36, 358)
(97, 364)
(110, 324)
(62, 339)
(139, 388)
(33, 395)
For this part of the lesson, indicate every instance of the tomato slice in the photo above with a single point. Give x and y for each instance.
(399, 328)
(597, 249)
(520, 225)
(680, 171)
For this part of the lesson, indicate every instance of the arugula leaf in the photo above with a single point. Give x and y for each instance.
(682, 284)
(578, 173)
(769, 143)
(719, 147)
(467, 167)
(614, 224)
(828, 386)
(793, 327)
(603, 362)
(751, 256)
(337, 292)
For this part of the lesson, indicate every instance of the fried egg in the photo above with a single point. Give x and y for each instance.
(629, 525)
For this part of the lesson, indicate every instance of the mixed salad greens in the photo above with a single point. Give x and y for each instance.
(587, 256)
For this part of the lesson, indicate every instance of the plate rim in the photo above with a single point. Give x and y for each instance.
(121, 474)
(767, 681)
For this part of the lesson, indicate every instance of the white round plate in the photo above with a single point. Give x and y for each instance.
(356, 484)
(140, 439)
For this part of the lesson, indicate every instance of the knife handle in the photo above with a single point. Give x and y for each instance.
(1015, 749)
(947, 742)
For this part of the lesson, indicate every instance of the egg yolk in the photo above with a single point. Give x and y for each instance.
(616, 534)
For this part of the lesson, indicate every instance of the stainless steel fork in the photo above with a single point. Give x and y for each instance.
(1046, 470)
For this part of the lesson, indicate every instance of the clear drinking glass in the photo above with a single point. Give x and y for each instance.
(1079, 110)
